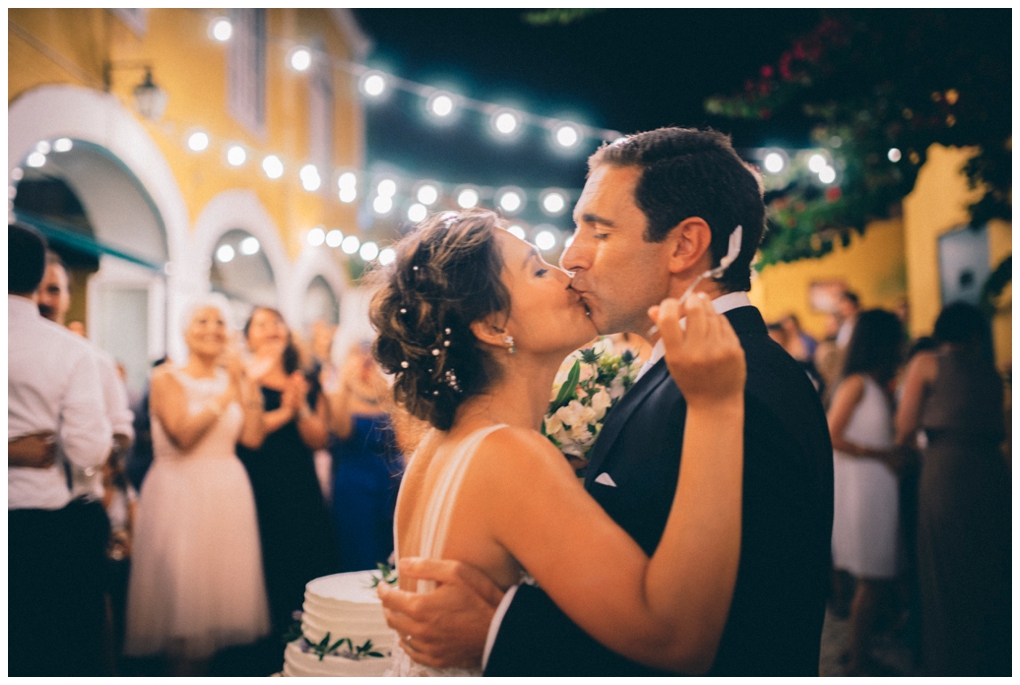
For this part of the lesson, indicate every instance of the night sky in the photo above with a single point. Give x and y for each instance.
(626, 70)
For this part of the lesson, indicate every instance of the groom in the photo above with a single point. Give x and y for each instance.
(657, 210)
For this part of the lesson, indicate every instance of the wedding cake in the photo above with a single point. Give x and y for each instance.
(345, 606)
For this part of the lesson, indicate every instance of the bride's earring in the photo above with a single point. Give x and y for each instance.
(509, 340)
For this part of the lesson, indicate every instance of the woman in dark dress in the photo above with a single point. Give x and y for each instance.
(954, 394)
(367, 463)
(294, 527)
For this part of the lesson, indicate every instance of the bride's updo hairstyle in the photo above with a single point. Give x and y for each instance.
(446, 275)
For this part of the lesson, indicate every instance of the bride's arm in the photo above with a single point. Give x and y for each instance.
(668, 611)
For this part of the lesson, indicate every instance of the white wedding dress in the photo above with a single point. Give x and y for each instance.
(435, 525)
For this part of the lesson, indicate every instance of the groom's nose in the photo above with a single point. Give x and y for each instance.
(573, 258)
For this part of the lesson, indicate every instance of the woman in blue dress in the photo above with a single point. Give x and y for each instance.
(367, 463)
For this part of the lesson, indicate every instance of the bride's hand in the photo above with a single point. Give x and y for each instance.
(706, 360)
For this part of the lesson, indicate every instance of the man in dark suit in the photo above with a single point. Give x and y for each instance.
(658, 211)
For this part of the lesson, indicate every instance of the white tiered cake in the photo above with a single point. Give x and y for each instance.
(345, 605)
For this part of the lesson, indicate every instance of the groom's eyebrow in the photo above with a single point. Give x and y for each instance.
(596, 219)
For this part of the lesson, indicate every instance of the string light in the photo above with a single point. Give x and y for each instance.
(250, 245)
(553, 202)
(387, 256)
(348, 195)
(895, 155)
(417, 212)
(316, 236)
(36, 159)
(517, 230)
(827, 175)
(272, 166)
(310, 178)
(43, 147)
(510, 200)
(369, 251)
(373, 84)
(63, 145)
(467, 198)
(427, 193)
(774, 162)
(221, 29)
(545, 239)
(441, 104)
(236, 155)
(505, 121)
(567, 134)
(198, 141)
(816, 163)
(334, 238)
(350, 244)
(382, 204)
(300, 58)
(224, 253)
(387, 187)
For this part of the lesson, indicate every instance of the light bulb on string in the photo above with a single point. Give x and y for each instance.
(236, 155)
(387, 256)
(545, 239)
(517, 230)
(816, 163)
(505, 121)
(567, 134)
(468, 198)
(36, 160)
(373, 83)
(272, 166)
(221, 29)
(369, 251)
(440, 104)
(553, 201)
(382, 204)
(417, 212)
(774, 162)
(427, 193)
(43, 146)
(310, 179)
(198, 141)
(350, 244)
(510, 199)
(316, 236)
(62, 145)
(827, 175)
(895, 155)
(387, 187)
(250, 245)
(334, 238)
(348, 195)
(224, 253)
(300, 58)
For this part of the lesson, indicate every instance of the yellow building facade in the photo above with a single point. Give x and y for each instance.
(156, 199)
(896, 260)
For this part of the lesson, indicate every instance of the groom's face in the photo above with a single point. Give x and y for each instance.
(618, 274)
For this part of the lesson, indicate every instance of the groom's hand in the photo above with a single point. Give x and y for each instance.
(447, 627)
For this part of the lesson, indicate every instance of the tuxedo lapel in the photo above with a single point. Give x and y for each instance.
(621, 413)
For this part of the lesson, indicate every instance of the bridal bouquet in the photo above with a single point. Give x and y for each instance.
(589, 383)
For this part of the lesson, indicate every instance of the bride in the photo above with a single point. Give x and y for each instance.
(473, 324)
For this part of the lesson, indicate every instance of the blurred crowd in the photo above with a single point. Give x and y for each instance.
(153, 534)
(921, 540)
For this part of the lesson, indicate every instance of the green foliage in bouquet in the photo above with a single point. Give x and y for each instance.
(389, 575)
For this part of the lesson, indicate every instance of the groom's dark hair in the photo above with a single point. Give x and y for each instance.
(687, 172)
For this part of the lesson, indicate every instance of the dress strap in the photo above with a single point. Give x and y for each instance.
(436, 521)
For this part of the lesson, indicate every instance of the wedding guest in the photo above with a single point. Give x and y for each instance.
(800, 342)
(55, 418)
(294, 527)
(791, 343)
(87, 484)
(954, 395)
(367, 462)
(196, 582)
(865, 528)
(139, 456)
(848, 308)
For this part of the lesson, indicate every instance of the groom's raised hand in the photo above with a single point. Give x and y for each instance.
(445, 628)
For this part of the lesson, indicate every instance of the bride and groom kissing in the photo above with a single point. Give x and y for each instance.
(700, 540)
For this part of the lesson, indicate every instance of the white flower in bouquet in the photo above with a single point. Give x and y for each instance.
(589, 383)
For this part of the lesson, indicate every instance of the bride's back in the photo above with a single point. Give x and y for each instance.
(438, 509)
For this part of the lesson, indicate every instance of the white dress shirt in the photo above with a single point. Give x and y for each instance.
(88, 482)
(52, 384)
(721, 304)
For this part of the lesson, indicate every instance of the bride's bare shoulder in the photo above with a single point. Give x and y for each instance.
(523, 448)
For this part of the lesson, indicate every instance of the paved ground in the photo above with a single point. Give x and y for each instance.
(890, 649)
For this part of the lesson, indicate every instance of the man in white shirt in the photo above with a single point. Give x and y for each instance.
(53, 389)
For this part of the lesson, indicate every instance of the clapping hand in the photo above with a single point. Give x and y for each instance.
(704, 357)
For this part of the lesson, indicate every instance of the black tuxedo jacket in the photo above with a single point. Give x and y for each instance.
(775, 621)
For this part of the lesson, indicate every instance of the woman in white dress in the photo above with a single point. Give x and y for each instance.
(196, 583)
(866, 520)
(474, 325)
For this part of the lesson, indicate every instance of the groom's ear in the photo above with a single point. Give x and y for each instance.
(690, 246)
(489, 330)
